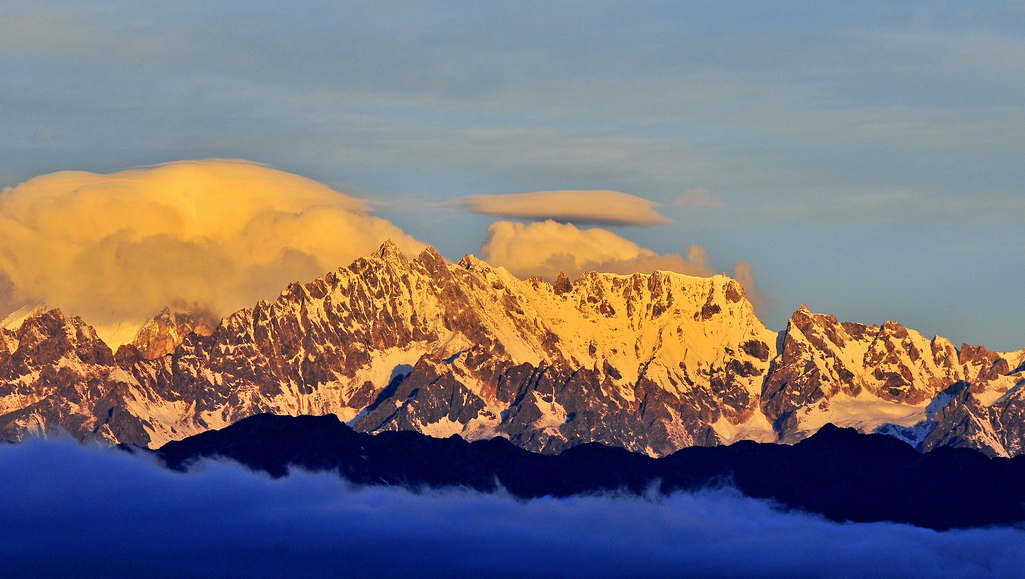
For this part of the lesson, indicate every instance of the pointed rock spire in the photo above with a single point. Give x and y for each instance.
(430, 257)
(562, 284)
(389, 251)
(473, 263)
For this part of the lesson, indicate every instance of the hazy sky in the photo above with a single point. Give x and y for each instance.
(863, 158)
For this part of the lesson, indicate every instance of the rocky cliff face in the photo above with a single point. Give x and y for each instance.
(891, 379)
(56, 374)
(164, 333)
(652, 363)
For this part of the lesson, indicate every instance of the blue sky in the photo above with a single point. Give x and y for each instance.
(866, 158)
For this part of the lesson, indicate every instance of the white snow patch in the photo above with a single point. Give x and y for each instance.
(998, 388)
(859, 413)
(120, 333)
(347, 414)
(386, 364)
(939, 402)
(756, 428)
(443, 428)
(1010, 391)
(14, 320)
(912, 435)
(553, 414)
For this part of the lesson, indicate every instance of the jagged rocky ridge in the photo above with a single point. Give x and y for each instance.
(650, 363)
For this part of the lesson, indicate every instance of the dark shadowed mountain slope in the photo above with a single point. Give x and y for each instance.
(838, 473)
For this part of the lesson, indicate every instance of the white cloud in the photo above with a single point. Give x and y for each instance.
(585, 207)
(212, 235)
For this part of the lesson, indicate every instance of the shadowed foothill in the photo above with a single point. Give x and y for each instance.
(838, 473)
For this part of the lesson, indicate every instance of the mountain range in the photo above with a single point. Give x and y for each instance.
(650, 363)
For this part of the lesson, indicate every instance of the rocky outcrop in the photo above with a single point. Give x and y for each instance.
(57, 375)
(891, 379)
(164, 333)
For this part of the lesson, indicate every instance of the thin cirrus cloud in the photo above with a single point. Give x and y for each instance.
(699, 197)
(76, 510)
(209, 236)
(597, 207)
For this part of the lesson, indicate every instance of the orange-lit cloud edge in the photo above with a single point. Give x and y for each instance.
(595, 207)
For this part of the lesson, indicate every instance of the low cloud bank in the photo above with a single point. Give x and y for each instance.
(598, 207)
(209, 235)
(90, 511)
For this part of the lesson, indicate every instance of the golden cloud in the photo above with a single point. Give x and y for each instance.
(585, 207)
(209, 235)
(546, 248)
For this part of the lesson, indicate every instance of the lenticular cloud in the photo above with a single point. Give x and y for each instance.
(599, 207)
(210, 235)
